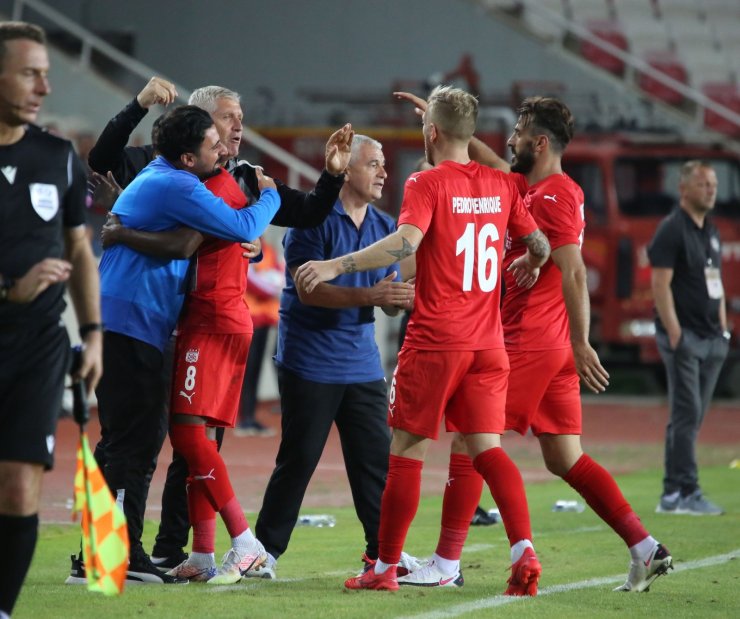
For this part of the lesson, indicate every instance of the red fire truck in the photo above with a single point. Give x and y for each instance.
(630, 183)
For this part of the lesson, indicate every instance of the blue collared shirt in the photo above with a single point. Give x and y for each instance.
(328, 345)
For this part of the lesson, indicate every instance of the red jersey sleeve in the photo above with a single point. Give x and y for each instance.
(419, 200)
(521, 223)
(559, 212)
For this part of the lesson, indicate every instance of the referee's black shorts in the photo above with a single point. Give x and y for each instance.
(33, 364)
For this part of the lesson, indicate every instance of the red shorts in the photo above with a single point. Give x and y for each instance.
(544, 393)
(467, 387)
(207, 375)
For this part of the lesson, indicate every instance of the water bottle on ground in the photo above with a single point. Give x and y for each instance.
(568, 506)
(317, 520)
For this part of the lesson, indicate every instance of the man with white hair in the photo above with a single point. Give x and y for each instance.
(329, 368)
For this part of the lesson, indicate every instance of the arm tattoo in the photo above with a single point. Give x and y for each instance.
(405, 251)
(349, 265)
(537, 244)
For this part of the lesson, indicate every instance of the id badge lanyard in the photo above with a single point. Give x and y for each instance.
(714, 281)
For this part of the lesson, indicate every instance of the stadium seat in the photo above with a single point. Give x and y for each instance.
(671, 65)
(611, 32)
(727, 94)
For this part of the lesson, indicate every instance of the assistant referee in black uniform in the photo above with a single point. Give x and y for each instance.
(43, 243)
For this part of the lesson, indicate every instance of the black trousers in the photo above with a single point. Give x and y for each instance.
(132, 407)
(248, 400)
(308, 411)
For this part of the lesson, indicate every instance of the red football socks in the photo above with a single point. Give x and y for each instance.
(209, 481)
(461, 498)
(507, 488)
(596, 485)
(398, 506)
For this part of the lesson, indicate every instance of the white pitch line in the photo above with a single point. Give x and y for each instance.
(502, 600)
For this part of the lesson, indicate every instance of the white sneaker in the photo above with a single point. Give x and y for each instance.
(265, 571)
(431, 576)
(235, 566)
(409, 563)
(643, 573)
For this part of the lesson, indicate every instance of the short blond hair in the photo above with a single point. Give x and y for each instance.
(689, 167)
(453, 111)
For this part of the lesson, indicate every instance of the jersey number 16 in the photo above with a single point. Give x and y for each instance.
(487, 256)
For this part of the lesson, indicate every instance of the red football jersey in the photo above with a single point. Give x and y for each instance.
(217, 303)
(536, 319)
(464, 211)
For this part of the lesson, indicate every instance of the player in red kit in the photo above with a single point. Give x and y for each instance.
(546, 333)
(213, 337)
(453, 362)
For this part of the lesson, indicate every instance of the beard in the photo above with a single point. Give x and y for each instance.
(524, 161)
(206, 175)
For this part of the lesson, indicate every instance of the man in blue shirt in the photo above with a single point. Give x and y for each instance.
(329, 368)
(141, 299)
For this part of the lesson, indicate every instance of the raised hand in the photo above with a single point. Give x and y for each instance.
(420, 105)
(339, 150)
(105, 189)
(157, 90)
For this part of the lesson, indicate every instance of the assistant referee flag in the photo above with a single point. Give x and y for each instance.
(104, 534)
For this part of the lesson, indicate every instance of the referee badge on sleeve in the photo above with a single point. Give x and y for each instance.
(44, 199)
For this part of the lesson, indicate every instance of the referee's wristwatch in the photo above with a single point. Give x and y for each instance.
(727, 334)
(5, 285)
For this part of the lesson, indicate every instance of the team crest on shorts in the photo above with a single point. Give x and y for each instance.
(191, 356)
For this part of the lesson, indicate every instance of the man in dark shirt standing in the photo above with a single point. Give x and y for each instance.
(691, 330)
(43, 243)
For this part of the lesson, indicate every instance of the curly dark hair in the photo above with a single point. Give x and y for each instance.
(181, 130)
(550, 116)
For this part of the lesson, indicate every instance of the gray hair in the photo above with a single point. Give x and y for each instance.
(205, 98)
(360, 140)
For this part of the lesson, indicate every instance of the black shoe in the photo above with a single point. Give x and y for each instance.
(166, 563)
(482, 517)
(77, 573)
(142, 571)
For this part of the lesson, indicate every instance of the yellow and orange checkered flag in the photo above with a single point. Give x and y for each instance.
(104, 533)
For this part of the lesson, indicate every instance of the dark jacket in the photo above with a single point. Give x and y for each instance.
(298, 209)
